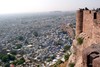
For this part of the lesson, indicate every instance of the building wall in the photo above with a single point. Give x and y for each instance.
(96, 29)
(79, 22)
(88, 22)
(98, 17)
(91, 27)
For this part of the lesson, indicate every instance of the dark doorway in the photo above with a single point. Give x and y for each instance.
(90, 58)
(95, 15)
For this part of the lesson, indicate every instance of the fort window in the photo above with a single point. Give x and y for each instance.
(91, 57)
(90, 12)
(95, 15)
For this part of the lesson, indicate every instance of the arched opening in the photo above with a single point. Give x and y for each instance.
(91, 57)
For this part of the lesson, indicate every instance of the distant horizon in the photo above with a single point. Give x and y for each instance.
(36, 12)
(37, 6)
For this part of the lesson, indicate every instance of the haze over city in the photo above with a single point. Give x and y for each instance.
(49, 33)
(27, 6)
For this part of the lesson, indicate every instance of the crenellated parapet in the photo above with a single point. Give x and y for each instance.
(87, 19)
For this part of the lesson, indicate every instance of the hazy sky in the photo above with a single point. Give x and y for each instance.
(23, 6)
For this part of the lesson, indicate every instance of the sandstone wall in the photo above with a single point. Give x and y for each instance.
(96, 29)
(96, 62)
(87, 27)
(79, 22)
(88, 22)
(98, 17)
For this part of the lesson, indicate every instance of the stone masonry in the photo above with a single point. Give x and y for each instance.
(88, 22)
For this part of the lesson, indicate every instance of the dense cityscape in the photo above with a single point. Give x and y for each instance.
(30, 40)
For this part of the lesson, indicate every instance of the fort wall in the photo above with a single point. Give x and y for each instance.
(87, 54)
(96, 28)
(79, 20)
(88, 22)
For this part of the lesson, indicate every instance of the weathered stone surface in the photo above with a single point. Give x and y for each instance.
(96, 62)
(90, 54)
(71, 60)
(79, 20)
(88, 27)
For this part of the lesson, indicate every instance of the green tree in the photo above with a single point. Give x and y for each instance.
(66, 57)
(7, 65)
(59, 62)
(80, 40)
(51, 58)
(55, 65)
(5, 58)
(1, 55)
(13, 52)
(38, 65)
(35, 33)
(66, 48)
(21, 61)
(11, 57)
(71, 64)
(21, 38)
(14, 62)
